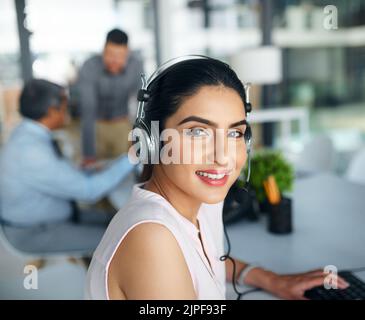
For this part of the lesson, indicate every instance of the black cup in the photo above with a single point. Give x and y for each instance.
(280, 217)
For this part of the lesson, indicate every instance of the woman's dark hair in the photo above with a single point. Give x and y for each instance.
(38, 96)
(180, 81)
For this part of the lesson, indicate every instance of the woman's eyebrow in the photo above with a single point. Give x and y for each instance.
(210, 123)
(238, 123)
(198, 119)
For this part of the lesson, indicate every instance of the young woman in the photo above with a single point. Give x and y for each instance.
(167, 242)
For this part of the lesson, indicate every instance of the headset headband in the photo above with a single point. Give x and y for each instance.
(170, 63)
(143, 94)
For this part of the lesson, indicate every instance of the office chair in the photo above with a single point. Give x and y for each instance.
(356, 169)
(317, 156)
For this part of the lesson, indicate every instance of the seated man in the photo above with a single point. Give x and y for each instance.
(38, 186)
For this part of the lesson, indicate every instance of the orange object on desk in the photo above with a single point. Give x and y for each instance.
(272, 190)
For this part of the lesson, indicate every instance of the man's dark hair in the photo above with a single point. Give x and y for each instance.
(38, 96)
(117, 36)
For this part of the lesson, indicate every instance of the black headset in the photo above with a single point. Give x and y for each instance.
(148, 136)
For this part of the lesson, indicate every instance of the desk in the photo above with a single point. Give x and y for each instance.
(329, 229)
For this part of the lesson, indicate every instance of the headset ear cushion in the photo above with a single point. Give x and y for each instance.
(148, 148)
(153, 140)
(141, 137)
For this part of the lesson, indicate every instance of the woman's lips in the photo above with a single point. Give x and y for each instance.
(216, 178)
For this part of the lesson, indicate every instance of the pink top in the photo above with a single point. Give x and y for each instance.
(146, 206)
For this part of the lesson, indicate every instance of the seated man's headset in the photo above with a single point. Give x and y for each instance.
(149, 140)
(149, 144)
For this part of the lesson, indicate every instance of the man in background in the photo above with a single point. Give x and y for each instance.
(106, 84)
(39, 187)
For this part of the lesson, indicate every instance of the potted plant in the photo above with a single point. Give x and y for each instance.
(263, 164)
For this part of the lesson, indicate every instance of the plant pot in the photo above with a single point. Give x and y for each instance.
(280, 217)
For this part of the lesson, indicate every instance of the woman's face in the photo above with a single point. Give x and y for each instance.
(210, 127)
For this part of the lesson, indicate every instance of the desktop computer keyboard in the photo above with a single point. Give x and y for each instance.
(356, 290)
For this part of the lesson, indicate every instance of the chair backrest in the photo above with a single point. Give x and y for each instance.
(317, 155)
(7, 248)
(356, 169)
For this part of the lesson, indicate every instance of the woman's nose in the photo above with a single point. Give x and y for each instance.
(221, 148)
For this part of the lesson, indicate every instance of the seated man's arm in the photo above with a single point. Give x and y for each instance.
(55, 176)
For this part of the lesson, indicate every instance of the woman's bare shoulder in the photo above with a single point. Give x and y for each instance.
(149, 264)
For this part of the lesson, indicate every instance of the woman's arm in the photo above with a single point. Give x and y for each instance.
(257, 277)
(149, 264)
(291, 286)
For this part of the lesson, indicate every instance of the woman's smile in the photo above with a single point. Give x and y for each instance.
(217, 178)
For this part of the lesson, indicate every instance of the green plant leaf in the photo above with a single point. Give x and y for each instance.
(268, 162)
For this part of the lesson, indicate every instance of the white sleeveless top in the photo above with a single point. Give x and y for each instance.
(146, 206)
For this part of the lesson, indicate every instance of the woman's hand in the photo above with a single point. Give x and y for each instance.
(294, 286)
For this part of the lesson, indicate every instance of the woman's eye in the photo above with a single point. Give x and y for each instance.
(197, 132)
(235, 134)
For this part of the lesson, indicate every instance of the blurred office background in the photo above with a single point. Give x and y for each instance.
(322, 70)
(314, 85)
